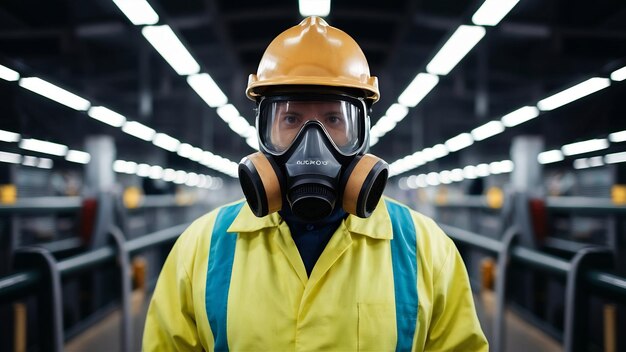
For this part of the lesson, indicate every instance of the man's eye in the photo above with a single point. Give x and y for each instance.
(333, 120)
(290, 119)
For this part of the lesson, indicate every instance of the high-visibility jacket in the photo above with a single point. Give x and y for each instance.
(393, 281)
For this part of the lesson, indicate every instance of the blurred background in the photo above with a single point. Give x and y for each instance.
(121, 121)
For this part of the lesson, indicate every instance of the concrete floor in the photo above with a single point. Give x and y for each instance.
(105, 336)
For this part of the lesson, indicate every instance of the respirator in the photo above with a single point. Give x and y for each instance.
(312, 158)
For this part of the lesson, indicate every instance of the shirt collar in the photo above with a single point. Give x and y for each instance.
(377, 226)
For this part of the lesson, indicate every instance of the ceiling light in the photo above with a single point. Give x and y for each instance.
(440, 150)
(596, 161)
(432, 179)
(459, 142)
(482, 170)
(253, 142)
(576, 92)
(166, 142)
(421, 181)
(192, 179)
(444, 177)
(181, 177)
(615, 158)
(456, 175)
(487, 130)
(45, 163)
(551, 156)
(119, 166)
(619, 75)
(143, 170)
(591, 145)
(185, 150)
(139, 12)
(138, 130)
(107, 116)
(491, 12)
(469, 172)
(11, 158)
(421, 85)
(131, 167)
(76, 156)
(165, 41)
(50, 91)
(397, 112)
(7, 136)
(169, 175)
(228, 112)
(314, 8)
(207, 89)
(519, 116)
(8, 75)
(43, 147)
(240, 126)
(618, 137)
(507, 166)
(156, 172)
(28, 160)
(581, 164)
(196, 154)
(453, 51)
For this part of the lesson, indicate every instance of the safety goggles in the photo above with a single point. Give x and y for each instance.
(282, 119)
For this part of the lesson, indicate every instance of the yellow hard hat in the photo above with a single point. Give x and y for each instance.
(313, 53)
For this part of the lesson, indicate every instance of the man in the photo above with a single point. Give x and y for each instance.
(314, 259)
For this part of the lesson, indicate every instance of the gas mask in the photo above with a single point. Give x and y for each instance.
(312, 158)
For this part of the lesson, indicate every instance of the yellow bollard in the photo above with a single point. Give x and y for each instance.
(487, 274)
(618, 194)
(8, 194)
(19, 321)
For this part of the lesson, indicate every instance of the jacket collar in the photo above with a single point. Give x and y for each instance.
(377, 226)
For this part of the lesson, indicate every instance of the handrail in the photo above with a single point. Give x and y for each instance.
(471, 238)
(155, 239)
(41, 205)
(586, 205)
(476, 202)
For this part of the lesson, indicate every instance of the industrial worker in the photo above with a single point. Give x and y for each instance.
(315, 258)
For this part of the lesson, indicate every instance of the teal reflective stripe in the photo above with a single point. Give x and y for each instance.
(219, 270)
(404, 261)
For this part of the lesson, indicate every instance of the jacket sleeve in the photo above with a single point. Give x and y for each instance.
(170, 323)
(454, 325)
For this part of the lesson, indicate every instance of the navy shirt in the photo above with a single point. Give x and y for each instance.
(311, 237)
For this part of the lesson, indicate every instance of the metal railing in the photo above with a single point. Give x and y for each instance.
(587, 269)
(41, 274)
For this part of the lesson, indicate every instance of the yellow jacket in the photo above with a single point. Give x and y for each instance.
(236, 282)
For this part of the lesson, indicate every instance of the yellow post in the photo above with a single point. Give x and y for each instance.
(19, 322)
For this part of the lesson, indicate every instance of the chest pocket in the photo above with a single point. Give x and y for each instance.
(376, 327)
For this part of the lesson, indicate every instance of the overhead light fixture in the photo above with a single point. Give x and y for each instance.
(10, 137)
(166, 43)
(139, 12)
(550, 156)
(491, 12)
(595, 161)
(456, 175)
(45, 147)
(107, 116)
(228, 112)
(591, 145)
(432, 179)
(444, 177)
(519, 116)
(581, 164)
(11, 158)
(8, 75)
(169, 175)
(618, 137)
(619, 75)
(469, 172)
(506, 166)
(455, 49)
(196, 154)
(240, 125)
(571, 94)
(50, 91)
(440, 150)
(28, 160)
(253, 142)
(166, 142)
(143, 170)
(487, 130)
(482, 170)
(314, 8)
(421, 85)
(207, 89)
(45, 163)
(459, 142)
(397, 112)
(76, 156)
(139, 130)
(185, 150)
(615, 158)
(156, 172)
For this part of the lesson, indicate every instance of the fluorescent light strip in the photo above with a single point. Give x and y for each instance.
(469, 172)
(107, 116)
(459, 142)
(166, 43)
(50, 91)
(76, 156)
(139, 130)
(618, 137)
(207, 89)
(397, 112)
(571, 94)
(615, 158)
(169, 175)
(591, 145)
(166, 142)
(520, 116)
(455, 49)
(11, 158)
(6, 136)
(8, 74)
(487, 130)
(491, 12)
(619, 75)
(421, 85)
(139, 12)
(314, 8)
(550, 156)
(45, 147)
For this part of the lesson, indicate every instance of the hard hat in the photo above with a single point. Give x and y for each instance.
(313, 53)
